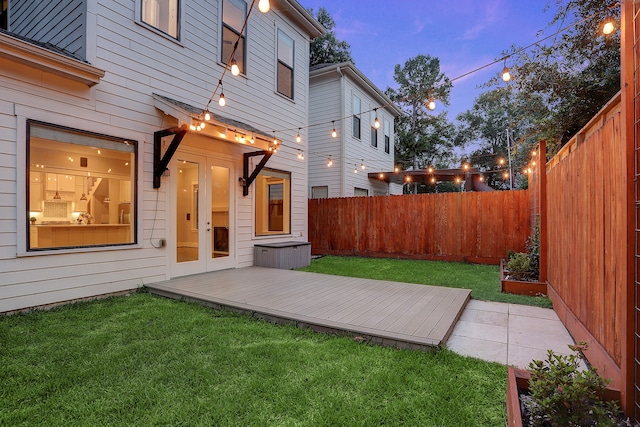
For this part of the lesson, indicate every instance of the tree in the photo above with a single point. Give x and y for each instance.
(500, 123)
(422, 138)
(327, 49)
(574, 73)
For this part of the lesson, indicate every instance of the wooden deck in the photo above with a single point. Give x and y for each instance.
(387, 313)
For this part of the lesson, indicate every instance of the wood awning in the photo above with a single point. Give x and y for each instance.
(218, 127)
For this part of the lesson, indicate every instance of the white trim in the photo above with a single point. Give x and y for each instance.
(37, 57)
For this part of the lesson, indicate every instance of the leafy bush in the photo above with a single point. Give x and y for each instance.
(533, 247)
(564, 395)
(518, 265)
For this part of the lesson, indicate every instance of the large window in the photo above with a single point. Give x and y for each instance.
(355, 109)
(161, 14)
(387, 136)
(360, 192)
(374, 131)
(273, 202)
(285, 64)
(81, 188)
(234, 13)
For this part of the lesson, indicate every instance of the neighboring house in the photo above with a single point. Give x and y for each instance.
(344, 99)
(104, 186)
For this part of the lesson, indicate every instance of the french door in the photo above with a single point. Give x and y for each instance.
(202, 202)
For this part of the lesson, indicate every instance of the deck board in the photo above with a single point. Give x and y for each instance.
(389, 313)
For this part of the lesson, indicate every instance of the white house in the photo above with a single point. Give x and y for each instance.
(108, 180)
(345, 100)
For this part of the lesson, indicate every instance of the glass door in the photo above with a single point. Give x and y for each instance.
(203, 216)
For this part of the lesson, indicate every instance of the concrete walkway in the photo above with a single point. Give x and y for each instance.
(510, 334)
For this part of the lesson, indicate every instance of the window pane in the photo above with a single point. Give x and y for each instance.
(360, 192)
(356, 127)
(273, 202)
(356, 105)
(320, 192)
(285, 80)
(162, 14)
(374, 131)
(233, 13)
(285, 49)
(228, 40)
(81, 188)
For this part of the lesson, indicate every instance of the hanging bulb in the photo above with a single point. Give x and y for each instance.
(253, 139)
(506, 75)
(275, 140)
(362, 165)
(396, 169)
(235, 70)
(334, 133)
(329, 162)
(222, 102)
(298, 137)
(192, 127)
(202, 125)
(376, 122)
(481, 178)
(430, 169)
(609, 26)
(207, 116)
(264, 6)
(242, 139)
(431, 105)
(355, 169)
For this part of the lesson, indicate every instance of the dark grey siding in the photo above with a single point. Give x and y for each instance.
(61, 23)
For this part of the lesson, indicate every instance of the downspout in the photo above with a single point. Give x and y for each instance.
(343, 148)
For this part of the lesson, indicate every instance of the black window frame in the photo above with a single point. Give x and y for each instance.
(241, 39)
(282, 66)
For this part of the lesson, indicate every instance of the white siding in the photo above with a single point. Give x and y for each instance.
(331, 98)
(139, 62)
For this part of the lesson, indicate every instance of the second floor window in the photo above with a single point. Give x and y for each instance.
(4, 14)
(285, 64)
(161, 14)
(374, 131)
(387, 136)
(355, 106)
(234, 13)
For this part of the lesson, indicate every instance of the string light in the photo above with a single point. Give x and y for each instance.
(264, 6)
(355, 169)
(505, 175)
(298, 137)
(253, 138)
(376, 122)
(300, 154)
(430, 169)
(381, 175)
(362, 165)
(433, 180)
(609, 26)
(481, 178)
(222, 102)
(431, 105)
(207, 115)
(506, 75)
(329, 162)
(334, 133)
(235, 70)
(396, 169)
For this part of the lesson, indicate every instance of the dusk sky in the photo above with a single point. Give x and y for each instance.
(463, 34)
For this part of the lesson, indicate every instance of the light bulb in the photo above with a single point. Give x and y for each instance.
(608, 26)
(431, 105)
(264, 6)
(207, 116)
(506, 75)
(376, 123)
(355, 169)
(298, 137)
(202, 125)
(192, 127)
(334, 133)
(235, 70)
(222, 102)
(362, 166)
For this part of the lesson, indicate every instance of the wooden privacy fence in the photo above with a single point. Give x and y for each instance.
(475, 227)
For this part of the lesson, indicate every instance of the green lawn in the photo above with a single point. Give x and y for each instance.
(483, 280)
(146, 360)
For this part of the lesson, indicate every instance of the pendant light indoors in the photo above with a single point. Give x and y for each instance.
(57, 195)
(83, 198)
(264, 6)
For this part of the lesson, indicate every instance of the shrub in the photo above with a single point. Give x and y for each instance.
(533, 247)
(518, 265)
(564, 395)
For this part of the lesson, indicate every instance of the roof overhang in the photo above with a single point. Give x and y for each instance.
(349, 69)
(43, 59)
(299, 15)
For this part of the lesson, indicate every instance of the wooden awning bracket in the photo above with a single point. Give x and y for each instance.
(247, 179)
(160, 163)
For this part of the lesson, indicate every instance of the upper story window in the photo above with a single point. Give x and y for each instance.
(374, 131)
(81, 188)
(387, 136)
(161, 14)
(355, 110)
(234, 12)
(4, 15)
(285, 64)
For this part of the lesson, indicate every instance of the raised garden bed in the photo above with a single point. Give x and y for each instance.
(520, 287)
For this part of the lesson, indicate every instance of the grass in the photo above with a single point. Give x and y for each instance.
(146, 360)
(483, 280)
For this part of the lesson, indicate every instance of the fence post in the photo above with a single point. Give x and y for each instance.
(542, 185)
